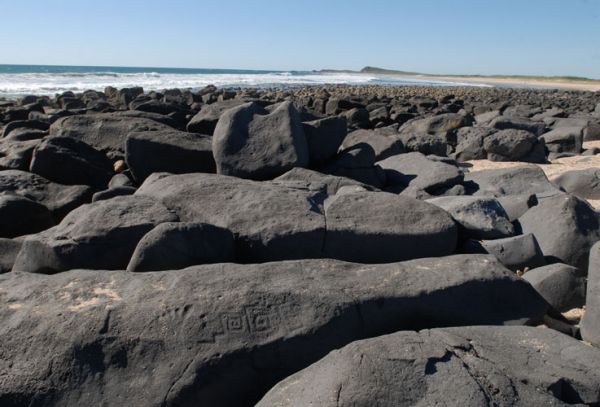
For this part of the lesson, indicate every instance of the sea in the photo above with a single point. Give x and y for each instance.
(18, 80)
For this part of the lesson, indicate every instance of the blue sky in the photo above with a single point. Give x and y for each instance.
(537, 37)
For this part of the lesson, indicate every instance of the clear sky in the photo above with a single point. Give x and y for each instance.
(536, 37)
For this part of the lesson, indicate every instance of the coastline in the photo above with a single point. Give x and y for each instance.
(552, 84)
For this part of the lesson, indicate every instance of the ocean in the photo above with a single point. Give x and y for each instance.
(16, 80)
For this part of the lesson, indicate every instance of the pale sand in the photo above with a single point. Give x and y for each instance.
(551, 84)
(552, 170)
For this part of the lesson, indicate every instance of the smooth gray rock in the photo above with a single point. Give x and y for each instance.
(270, 221)
(105, 132)
(564, 140)
(70, 161)
(469, 143)
(171, 151)
(384, 142)
(514, 145)
(559, 284)
(581, 183)
(173, 246)
(517, 123)
(565, 227)
(509, 181)
(478, 217)
(224, 334)
(21, 216)
(16, 154)
(323, 138)
(100, 235)
(438, 124)
(59, 199)
(467, 366)
(205, 121)
(378, 227)
(516, 205)
(257, 143)
(416, 170)
(590, 323)
(515, 252)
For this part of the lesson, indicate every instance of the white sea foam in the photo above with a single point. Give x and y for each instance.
(52, 83)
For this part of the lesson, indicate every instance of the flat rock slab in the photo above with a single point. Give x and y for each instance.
(105, 132)
(582, 183)
(510, 181)
(467, 366)
(224, 334)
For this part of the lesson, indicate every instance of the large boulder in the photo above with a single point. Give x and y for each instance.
(469, 143)
(518, 123)
(205, 121)
(59, 199)
(257, 143)
(417, 171)
(323, 138)
(384, 142)
(100, 235)
(581, 183)
(590, 324)
(105, 132)
(560, 284)
(176, 245)
(467, 366)
(514, 145)
(224, 334)
(510, 181)
(171, 151)
(564, 140)
(516, 252)
(442, 124)
(70, 161)
(271, 221)
(16, 154)
(478, 217)
(565, 226)
(378, 227)
(21, 216)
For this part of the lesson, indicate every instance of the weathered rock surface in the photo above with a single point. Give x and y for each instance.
(21, 216)
(581, 183)
(514, 145)
(510, 181)
(205, 121)
(59, 199)
(323, 138)
(515, 253)
(105, 132)
(378, 227)
(70, 161)
(100, 235)
(565, 227)
(257, 143)
(385, 143)
(560, 284)
(467, 366)
(174, 338)
(171, 151)
(172, 246)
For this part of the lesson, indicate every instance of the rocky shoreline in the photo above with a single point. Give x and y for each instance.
(331, 245)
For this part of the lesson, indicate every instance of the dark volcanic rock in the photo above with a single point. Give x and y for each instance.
(565, 227)
(590, 324)
(105, 132)
(418, 171)
(510, 181)
(385, 143)
(172, 246)
(479, 218)
(252, 142)
(377, 227)
(9, 248)
(21, 216)
(205, 121)
(469, 143)
(60, 199)
(224, 334)
(70, 161)
(515, 252)
(467, 366)
(564, 140)
(171, 151)
(514, 145)
(100, 235)
(16, 154)
(323, 138)
(316, 181)
(560, 284)
(581, 183)
(503, 123)
(270, 221)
